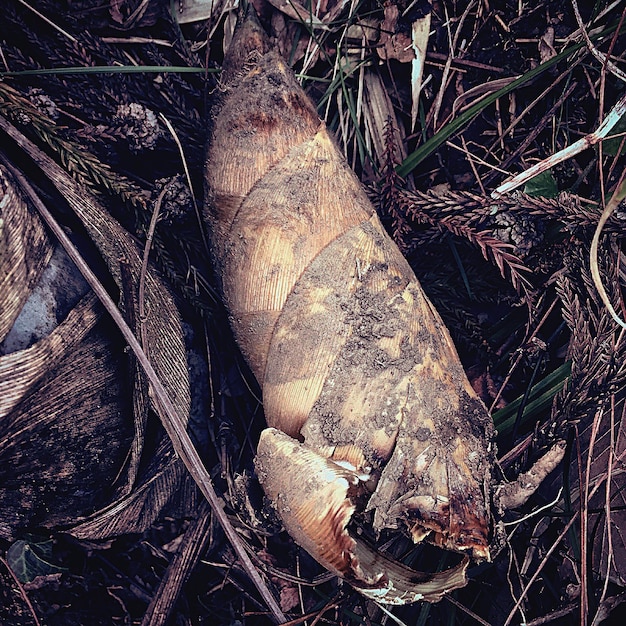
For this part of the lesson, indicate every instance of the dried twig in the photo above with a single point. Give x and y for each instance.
(616, 113)
(48, 21)
(600, 56)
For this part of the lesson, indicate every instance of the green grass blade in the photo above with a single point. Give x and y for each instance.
(415, 158)
(539, 399)
(112, 69)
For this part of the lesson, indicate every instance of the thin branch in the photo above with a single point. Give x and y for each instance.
(48, 21)
(617, 112)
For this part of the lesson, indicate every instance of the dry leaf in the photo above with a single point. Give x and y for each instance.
(420, 31)
(54, 359)
(378, 112)
(165, 484)
(25, 251)
(395, 41)
(65, 423)
(296, 11)
(546, 45)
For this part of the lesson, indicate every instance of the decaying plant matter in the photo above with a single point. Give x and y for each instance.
(352, 358)
(502, 88)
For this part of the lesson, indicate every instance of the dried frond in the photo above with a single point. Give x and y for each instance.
(493, 250)
(470, 220)
(81, 164)
(391, 184)
(597, 356)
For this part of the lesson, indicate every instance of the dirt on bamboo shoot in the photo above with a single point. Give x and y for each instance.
(367, 404)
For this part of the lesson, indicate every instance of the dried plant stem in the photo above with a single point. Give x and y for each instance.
(446, 71)
(551, 617)
(612, 204)
(598, 482)
(172, 421)
(48, 21)
(607, 503)
(141, 298)
(618, 111)
(538, 128)
(521, 116)
(452, 600)
(603, 58)
(584, 521)
(540, 567)
(183, 159)
(519, 358)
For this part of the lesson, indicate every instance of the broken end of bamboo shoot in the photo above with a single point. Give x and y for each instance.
(315, 498)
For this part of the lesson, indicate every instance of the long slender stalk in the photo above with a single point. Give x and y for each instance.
(110, 69)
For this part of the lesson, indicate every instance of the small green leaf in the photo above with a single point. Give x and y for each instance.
(542, 186)
(31, 558)
(616, 142)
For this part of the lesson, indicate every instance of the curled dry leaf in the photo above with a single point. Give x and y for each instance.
(317, 512)
(353, 360)
(64, 436)
(25, 251)
(395, 40)
(69, 383)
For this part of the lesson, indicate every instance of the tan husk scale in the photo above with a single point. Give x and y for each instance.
(363, 391)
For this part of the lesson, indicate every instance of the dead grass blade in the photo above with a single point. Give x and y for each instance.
(601, 133)
(618, 195)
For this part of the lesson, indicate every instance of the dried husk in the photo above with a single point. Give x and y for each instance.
(317, 511)
(65, 436)
(24, 251)
(351, 356)
(67, 416)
